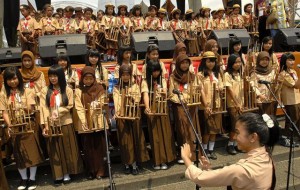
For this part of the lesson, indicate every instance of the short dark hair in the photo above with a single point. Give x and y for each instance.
(9, 73)
(284, 58)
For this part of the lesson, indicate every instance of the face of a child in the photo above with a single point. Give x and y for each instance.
(122, 11)
(242, 137)
(13, 82)
(25, 12)
(93, 60)
(110, 10)
(78, 14)
(53, 79)
(88, 79)
(290, 63)
(126, 55)
(215, 48)
(155, 74)
(206, 13)
(152, 12)
(249, 9)
(161, 15)
(68, 14)
(237, 47)
(88, 14)
(221, 14)
(182, 51)
(210, 64)
(268, 45)
(264, 62)
(138, 12)
(49, 11)
(177, 16)
(237, 65)
(57, 16)
(62, 63)
(236, 11)
(99, 15)
(153, 55)
(125, 77)
(27, 62)
(184, 66)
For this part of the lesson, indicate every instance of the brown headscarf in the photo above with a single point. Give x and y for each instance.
(182, 76)
(31, 74)
(263, 70)
(177, 48)
(90, 93)
(208, 47)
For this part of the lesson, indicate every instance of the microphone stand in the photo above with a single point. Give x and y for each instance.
(293, 128)
(112, 185)
(197, 141)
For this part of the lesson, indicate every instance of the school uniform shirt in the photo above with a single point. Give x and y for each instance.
(289, 94)
(191, 26)
(163, 68)
(208, 83)
(63, 111)
(253, 172)
(68, 26)
(247, 19)
(185, 89)
(78, 20)
(237, 86)
(117, 96)
(73, 78)
(221, 24)
(236, 21)
(261, 89)
(37, 85)
(125, 22)
(28, 24)
(105, 75)
(137, 23)
(96, 116)
(87, 26)
(49, 24)
(152, 23)
(165, 25)
(26, 99)
(109, 21)
(206, 23)
(176, 25)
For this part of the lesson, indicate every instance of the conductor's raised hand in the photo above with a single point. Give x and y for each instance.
(186, 151)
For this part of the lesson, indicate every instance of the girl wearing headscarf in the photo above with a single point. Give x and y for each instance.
(182, 80)
(91, 122)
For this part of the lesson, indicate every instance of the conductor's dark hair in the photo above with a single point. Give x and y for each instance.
(9, 73)
(283, 60)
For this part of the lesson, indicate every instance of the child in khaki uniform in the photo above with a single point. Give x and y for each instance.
(88, 26)
(49, 24)
(152, 23)
(68, 23)
(131, 136)
(26, 30)
(137, 20)
(236, 20)
(125, 24)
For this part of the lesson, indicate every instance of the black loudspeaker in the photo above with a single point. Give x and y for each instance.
(141, 40)
(223, 37)
(287, 39)
(70, 44)
(10, 53)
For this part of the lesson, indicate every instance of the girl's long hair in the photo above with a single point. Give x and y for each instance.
(92, 53)
(153, 66)
(204, 69)
(231, 61)
(59, 72)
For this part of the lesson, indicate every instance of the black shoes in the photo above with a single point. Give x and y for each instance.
(135, 171)
(231, 150)
(127, 170)
(31, 184)
(22, 185)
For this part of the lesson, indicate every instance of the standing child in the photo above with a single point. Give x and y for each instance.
(221, 22)
(177, 26)
(164, 23)
(211, 124)
(206, 25)
(56, 103)
(290, 93)
(161, 134)
(131, 136)
(183, 80)
(125, 24)
(152, 22)
(191, 29)
(26, 30)
(49, 24)
(236, 20)
(92, 95)
(235, 95)
(88, 26)
(27, 151)
(263, 71)
(137, 20)
(109, 23)
(78, 15)
(68, 23)
(249, 18)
